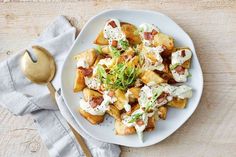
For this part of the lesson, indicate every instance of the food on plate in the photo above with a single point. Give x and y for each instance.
(135, 74)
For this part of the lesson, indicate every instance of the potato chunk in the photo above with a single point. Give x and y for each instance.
(151, 124)
(151, 77)
(89, 56)
(114, 112)
(100, 39)
(187, 64)
(121, 129)
(178, 103)
(162, 111)
(93, 119)
(163, 39)
(135, 92)
(79, 82)
(121, 99)
(129, 30)
(89, 93)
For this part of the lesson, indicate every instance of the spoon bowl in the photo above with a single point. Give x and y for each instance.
(42, 70)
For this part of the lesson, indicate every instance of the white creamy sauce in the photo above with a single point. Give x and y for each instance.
(152, 83)
(148, 63)
(145, 98)
(108, 98)
(108, 62)
(180, 77)
(127, 106)
(93, 82)
(181, 92)
(100, 109)
(147, 91)
(111, 33)
(139, 128)
(146, 27)
(176, 57)
(82, 63)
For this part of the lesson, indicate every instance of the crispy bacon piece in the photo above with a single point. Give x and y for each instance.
(86, 71)
(147, 35)
(114, 43)
(113, 24)
(162, 97)
(180, 70)
(140, 122)
(111, 93)
(183, 53)
(101, 89)
(154, 32)
(106, 56)
(95, 101)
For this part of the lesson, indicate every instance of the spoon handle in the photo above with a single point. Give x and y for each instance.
(51, 89)
(77, 135)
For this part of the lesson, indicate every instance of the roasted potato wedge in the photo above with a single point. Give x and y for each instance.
(129, 30)
(89, 56)
(121, 129)
(93, 119)
(165, 40)
(129, 52)
(106, 50)
(100, 40)
(89, 93)
(135, 92)
(151, 124)
(99, 57)
(134, 62)
(187, 64)
(150, 76)
(134, 107)
(121, 99)
(178, 103)
(79, 82)
(162, 111)
(114, 112)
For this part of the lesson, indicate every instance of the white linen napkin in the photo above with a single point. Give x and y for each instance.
(21, 97)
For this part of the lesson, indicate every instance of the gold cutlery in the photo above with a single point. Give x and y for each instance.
(42, 71)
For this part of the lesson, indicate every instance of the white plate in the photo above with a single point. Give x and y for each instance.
(175, 117)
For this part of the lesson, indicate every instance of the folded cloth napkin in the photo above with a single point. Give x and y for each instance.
(21, 97)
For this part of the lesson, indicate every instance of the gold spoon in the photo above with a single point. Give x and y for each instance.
(42, 71)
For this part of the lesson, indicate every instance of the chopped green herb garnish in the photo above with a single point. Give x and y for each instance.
(101, 71)
(119, 76)
(99, 49)
(189, 74)
(114, 51)
(124, 44)
(172, 67)
(150, 104)
(135, 117)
